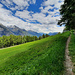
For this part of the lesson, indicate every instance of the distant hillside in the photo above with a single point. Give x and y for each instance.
(18, 31)
(51, 33)
(54, 33)
(4, 30)
(34, 33)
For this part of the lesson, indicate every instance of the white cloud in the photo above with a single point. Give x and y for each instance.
(11, 20)
(48, 23)
(7, 18)
(23, 14)
(1, 5)
(41, 8)
(33, 1)
(49, 2)
(45, 10)
(52, 2)
(19, 4)
(59, 4)
(40, 17)
(44, 28)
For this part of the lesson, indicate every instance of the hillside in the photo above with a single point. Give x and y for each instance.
(42, 57)
(72, 50)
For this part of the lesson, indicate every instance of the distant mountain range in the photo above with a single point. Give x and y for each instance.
(4, 30)
(18, 31)
(34, 33)
(54, 33)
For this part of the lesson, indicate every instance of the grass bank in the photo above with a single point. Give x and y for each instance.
(72, 50)
(42, 57)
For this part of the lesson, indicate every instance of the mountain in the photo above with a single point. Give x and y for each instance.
(4, 30)
(18, 31)
(54, 33)
(34, 33)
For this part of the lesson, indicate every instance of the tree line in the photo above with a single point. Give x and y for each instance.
(7, 41)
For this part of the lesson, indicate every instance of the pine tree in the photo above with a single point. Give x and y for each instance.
(43, 36)
(47, 35)
(40, 37)
(36, 38)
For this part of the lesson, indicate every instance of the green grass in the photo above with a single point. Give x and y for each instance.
(42, 57)
(72, 50)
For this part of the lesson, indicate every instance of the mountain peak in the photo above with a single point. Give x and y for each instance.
(4, 30)
(12, 26)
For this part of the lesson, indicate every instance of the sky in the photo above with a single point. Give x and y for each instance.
(37, 15)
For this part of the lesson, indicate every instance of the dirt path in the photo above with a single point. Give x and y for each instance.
(68, 62)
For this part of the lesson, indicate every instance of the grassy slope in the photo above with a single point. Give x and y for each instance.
(42, 57)
(72, 50)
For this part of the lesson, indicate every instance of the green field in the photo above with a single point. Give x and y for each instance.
(72, 50)
(42, 57)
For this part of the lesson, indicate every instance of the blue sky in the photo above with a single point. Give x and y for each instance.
(37, 15)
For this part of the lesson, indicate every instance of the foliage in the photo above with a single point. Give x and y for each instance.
(68, 14)
(7, 41)
(72, 50)
(40, 37)
(43, 36)
(42, 57)
(47, 35)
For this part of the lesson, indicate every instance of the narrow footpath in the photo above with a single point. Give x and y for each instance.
(68, 62)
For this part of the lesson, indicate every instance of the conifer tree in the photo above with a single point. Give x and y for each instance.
(40, 37)
(43, 36)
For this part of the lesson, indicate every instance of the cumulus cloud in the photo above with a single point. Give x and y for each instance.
(52, 2)
(23, 14)
(44, 21)
(17, 4)
(7, 18)
(1, 5)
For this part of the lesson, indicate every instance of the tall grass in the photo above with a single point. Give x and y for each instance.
(72, 50)
(42, 57)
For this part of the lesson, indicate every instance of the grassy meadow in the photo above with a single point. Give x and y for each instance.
(42, 57)
(72, 50)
